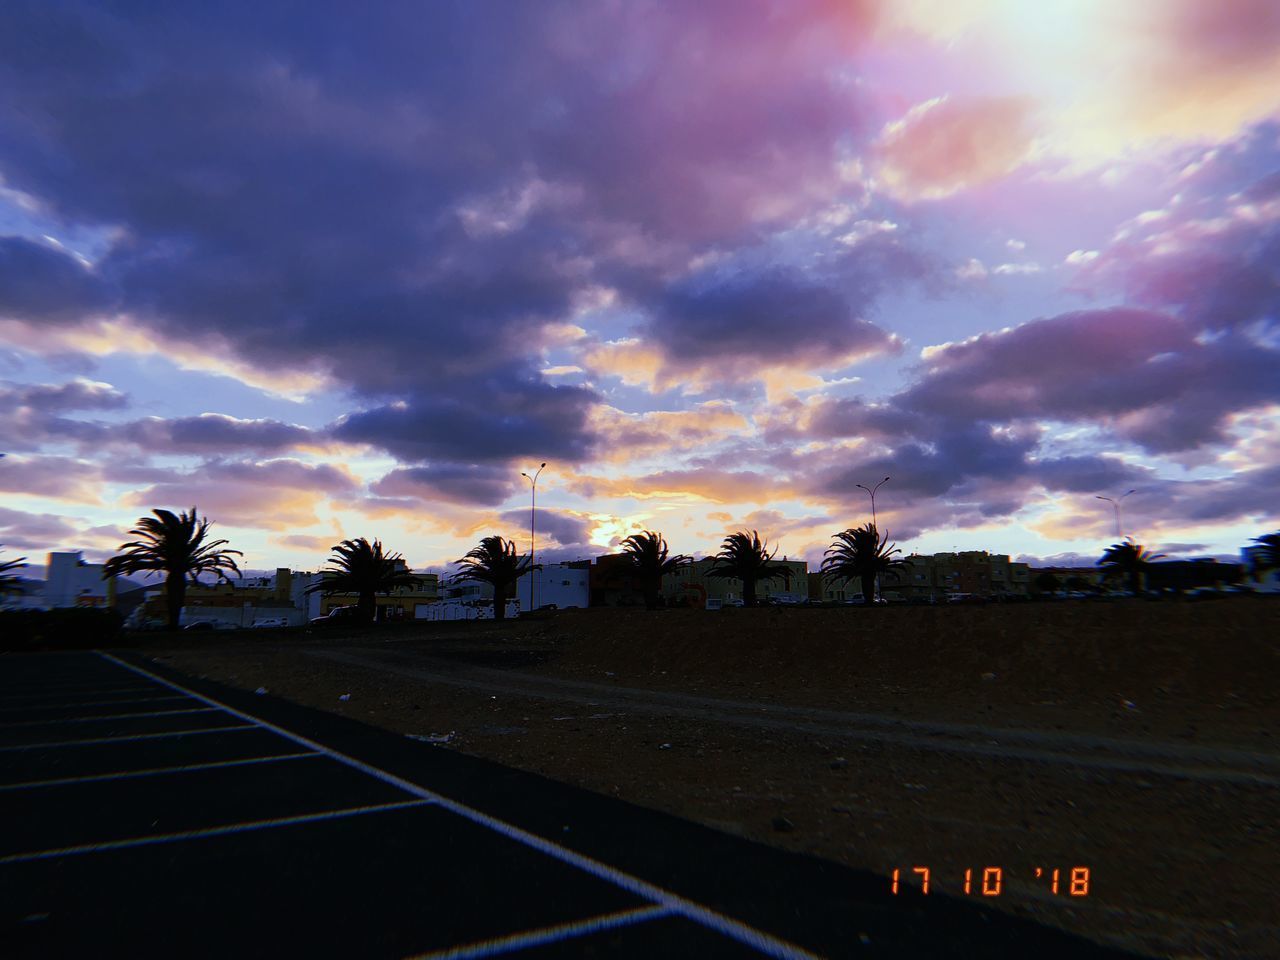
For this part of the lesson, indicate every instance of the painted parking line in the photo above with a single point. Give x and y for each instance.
(111, 716)
(90, 691)
(126, 739)
(547, 935)
(675, 904)
(156, 771)
(26, 708)
(220, 831)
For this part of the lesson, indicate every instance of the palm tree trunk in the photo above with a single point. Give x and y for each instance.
(368, 606)
(748, 592)
(499, 601)
(652, 587)
(175, 589)
(1135, 581)
(869, 587)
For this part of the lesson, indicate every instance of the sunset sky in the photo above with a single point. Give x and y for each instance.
(333, 270)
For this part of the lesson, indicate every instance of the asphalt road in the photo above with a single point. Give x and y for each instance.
(147, 814)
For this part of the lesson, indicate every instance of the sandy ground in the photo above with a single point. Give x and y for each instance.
(1135, 739)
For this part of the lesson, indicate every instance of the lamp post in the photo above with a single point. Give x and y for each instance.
(872, 491)
(1115, 503)
(533, 543)
(874, 525)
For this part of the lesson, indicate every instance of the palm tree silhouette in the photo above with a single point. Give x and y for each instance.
(1265, 556)
(1129, 559)
(11, 582)
(362, 568)
(861, 554)
(651, 562)
(495, 562)
(175, 546)
(744, 556)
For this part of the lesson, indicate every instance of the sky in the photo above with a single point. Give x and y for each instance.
(328, 272)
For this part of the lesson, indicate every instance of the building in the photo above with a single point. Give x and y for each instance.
(1267, 581)
(402, 603)
(693, 586)
(71, 582)
(566, 585)
(972, 572)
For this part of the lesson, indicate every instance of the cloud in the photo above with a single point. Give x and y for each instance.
(492, 423)
(54, 477)
(469, 485)
(565, 528)
(34, 531)
(275, 494)
(41, 284)
(1211, 256)
(949, 143)
(1146, 374)
(211, 433)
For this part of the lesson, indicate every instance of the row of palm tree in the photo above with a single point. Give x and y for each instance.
(179, 547)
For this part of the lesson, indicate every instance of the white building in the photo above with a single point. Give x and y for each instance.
(562, 584)
(1270, 582)
(70, 582)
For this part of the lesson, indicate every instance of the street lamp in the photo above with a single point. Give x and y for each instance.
(1116, 505)
(872, 491)
(874, 526)
(533, 506)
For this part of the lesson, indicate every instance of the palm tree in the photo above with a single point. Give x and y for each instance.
(744, 556)
(176, 546)
(1265, 556)
(861, 554)
(11, 582)
(651, 562)
(496, 562)
(361, 567)
(1129, 559)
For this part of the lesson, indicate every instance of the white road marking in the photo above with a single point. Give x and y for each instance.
(110, 716)
(221, 831)
(127, 739)
(154, 771)
(91, 703)
(727, 926)
(537, 938)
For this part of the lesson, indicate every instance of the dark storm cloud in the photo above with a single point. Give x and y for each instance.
(776, 316)
(211, 433)
(307, 189)
(1149, 375)
(565, 529)
(502, 421)
(466, 484)
(45, 285)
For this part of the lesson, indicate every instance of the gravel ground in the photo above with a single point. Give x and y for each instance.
(1180, 865)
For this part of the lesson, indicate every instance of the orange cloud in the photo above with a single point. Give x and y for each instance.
(947, 144)
(631, 435)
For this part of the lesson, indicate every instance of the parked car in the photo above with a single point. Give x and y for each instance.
(268, 622)
(207, 624)
(338, 615)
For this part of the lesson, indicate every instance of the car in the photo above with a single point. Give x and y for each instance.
(336, 615)
(207, 624)
(267, 622)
